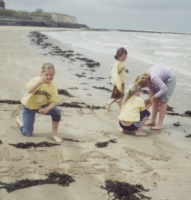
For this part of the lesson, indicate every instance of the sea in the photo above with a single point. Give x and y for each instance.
(145, 49)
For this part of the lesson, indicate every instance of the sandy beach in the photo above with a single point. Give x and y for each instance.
(161, 161)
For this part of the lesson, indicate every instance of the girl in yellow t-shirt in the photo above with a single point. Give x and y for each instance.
(134, 111)
(42, 98)
(117, 77)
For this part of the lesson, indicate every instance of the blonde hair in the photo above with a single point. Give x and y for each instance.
(142, 79)
(47, 66)
(132, 91)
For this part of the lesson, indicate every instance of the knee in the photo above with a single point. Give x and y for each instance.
(56, 117)
(147, 113)
(27, 134)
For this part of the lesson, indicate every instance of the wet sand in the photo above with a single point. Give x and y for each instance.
(161, 162)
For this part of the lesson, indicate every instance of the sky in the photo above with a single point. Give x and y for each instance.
(144, 15)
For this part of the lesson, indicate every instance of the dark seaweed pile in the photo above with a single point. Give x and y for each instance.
(80, 105)
(28, 145)
(69, 139)
(177, 124)
(188, 135)
(145, 91)
(105, 144)
(1, 142)
(102, 88)
(10, 101)
(125, 191)
(53, 178)
(170, 108)
(188, 112)
(64, 92)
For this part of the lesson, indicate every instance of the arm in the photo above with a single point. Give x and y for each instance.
(32, 88)
(49, 107)
(53, 101)
(161, 85)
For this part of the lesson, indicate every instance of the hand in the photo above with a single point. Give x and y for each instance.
(148, 103)
(152, 99)
(42, 111)
(43, 79)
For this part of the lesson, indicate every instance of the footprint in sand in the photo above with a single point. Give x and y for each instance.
(96, 155)
(33, 159)
(5, 155)
(16, 111)
(155, 177)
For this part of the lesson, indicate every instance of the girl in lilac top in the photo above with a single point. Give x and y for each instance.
(161, 82)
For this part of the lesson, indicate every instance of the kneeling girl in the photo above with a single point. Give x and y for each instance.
(133, 112)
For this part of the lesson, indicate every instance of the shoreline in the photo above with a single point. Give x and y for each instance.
(160, 162)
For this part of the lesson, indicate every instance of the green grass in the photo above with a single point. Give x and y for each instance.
(13, 13)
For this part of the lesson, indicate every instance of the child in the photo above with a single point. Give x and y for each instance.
(134, 111)
(117, 77)
(41, 97)
(161, 82)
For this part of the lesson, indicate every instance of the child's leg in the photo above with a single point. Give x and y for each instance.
(139, 132)
(108, 104)
(143, 118)
(56, 116)
(54, 132)
(27, 125)
(155, 106)
(162, 113)
(120, 102)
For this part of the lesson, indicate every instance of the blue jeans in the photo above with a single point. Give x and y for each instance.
(29, 118)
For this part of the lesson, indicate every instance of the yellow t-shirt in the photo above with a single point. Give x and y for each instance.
(44, 94)
(130, 111)
(117, 75)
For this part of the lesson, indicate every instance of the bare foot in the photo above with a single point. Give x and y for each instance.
(108, 106)
(19, 122)
(57, 139)
(120, 129)
(150, 123)
(140, 134)
(156, 127)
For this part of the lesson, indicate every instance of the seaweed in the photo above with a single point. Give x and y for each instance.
(28, 145)
(176, 114)
(64, 92)
(1, 142)
(80, 105)
(52, 178)
(125, 191)
(10, 101)
(188, 135)
(170, 108)
(102, 88)
(145, 91)
(69, 139)
(177, 124)
(105, 144)
(188, 112)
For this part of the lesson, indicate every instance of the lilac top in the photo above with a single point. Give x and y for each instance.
(159, 75)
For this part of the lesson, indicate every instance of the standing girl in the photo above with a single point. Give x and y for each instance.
(41, 97)
(117, 77)
(133, 112)
(161, 82)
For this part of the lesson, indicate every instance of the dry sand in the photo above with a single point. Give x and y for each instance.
(161, 162)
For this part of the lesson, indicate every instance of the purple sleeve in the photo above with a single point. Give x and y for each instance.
(161, 85)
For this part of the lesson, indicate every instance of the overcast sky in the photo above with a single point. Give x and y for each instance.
(148, 15)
